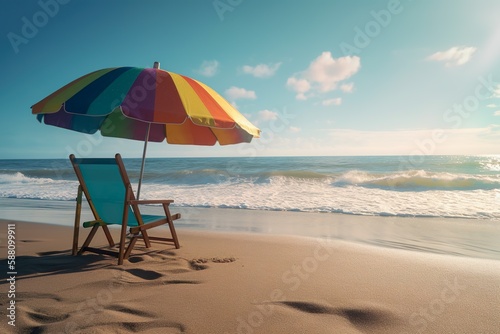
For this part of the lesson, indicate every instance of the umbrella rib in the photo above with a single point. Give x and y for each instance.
(145, 121)
(216, 139)
(79, 114)
(184, 121)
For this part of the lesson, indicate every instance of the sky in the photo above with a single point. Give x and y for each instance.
(318, 77)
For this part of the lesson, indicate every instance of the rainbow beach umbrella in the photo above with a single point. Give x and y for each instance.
(147, 104)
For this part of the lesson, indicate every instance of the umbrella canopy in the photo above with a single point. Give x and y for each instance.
(125, 102)
(147, 104)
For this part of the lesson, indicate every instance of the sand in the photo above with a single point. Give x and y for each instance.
(222, 282)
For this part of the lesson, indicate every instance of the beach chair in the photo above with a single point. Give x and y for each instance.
(108, 191)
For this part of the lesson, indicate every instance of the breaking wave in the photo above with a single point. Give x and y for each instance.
(418, 180)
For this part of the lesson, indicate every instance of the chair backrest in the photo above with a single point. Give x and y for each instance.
(104, 186)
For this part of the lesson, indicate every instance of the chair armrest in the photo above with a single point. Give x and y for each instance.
(151, 201)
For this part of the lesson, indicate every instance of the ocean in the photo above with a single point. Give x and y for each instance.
(404, 186)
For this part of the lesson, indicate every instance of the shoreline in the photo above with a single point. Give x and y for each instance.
(450, 236)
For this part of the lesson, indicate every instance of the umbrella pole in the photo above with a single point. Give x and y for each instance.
(143, 160)
(155, 65)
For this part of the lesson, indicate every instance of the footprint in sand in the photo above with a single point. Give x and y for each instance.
(363, 317)
(45, 316)
(51, 297)
(150, 327)
(48, 316)
(138, 276)
(36, 319)
(145, 321)
(200, 263)
(138, 321)
(148, 275)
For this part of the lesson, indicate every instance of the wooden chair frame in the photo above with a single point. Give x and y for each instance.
(139, 231)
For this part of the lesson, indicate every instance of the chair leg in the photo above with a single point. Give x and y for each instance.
(122, 245)
(130, 246)
(108, 236)
(174, 234)
(145, 237)
(171, 226)
(74, 250)
(76, 229)
(89, 239)
(123, 235)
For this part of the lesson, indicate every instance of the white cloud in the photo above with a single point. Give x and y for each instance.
(323, 75)
(294, 129)
(262, 70)
(332, 102)
(300, 86)
(491, 105)
(301, 97)
(455, 56)
(496, 92)
(235, 93)
(268, 115)
(347, 88)
(327, 71)
(209, 68)
(496, 113)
